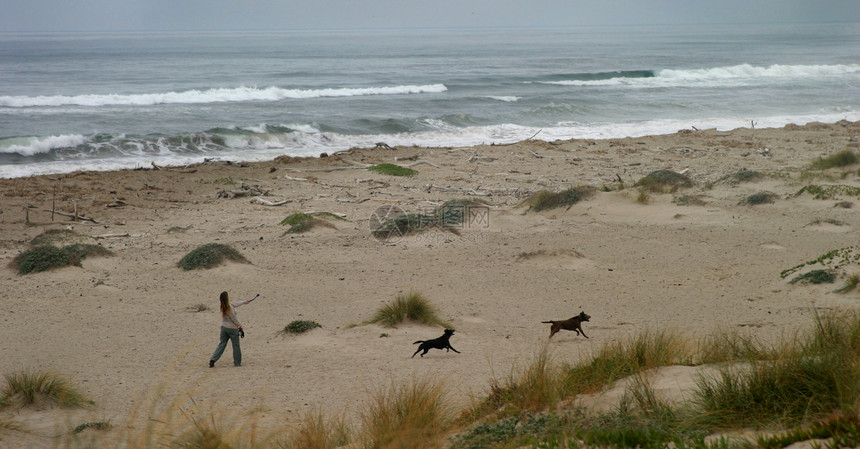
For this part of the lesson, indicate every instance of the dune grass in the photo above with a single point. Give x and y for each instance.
(300, 222)
(741, 176)
(315, 431)
(392, 170)
(759, 198)
(544, 199)
(41, 388)
(412, 415)
(300, 326)
(210, 255)
(838, 159)
(413, 307)
(663, 181)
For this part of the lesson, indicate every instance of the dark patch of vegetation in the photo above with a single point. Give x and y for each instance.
(814, 277)
(300, 326)
(759, 198)
(48, 257)
(741, 176)
(514, 431)
(210, 255)
(827, 192)
(392, 170)
(545, 199)
(662, 181)
(844, 204)
(689, 200)
(98, 425)
(839, 159)
(412, 307)
(302, 222)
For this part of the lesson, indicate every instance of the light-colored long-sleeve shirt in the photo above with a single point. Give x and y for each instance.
(231, 320)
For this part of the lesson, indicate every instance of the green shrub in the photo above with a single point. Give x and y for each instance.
(741, 176)
(210, 255)
(413, 307)
(839, 159)
(688, 200)
(300, 326)
(25, 388)
(301, 222)
(759, 198)
(827, 192)
(393, 170)
(814, 277)
(545, 199)
(48, 257)
(51, 236)
(664, 180)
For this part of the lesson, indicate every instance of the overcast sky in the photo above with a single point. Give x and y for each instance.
(144, 15)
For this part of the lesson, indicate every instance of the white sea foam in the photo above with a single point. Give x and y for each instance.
(213, 96)
(721, 75)
(30, 146)
(505, 98)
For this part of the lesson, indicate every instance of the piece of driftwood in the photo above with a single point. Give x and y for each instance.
(72, 215)
(320, 170)
(421, 162)
(325, 212)
(517, 192)
(111, 236)
(294, 179)
(258, 200)
(356, 200)
(476, 158)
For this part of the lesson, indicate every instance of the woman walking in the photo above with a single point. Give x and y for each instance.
(231, 329)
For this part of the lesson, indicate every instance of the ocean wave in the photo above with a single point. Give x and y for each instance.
(741, 72)
(221, 95)
(31, 146)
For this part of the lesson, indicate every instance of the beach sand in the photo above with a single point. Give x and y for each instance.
(124, 329)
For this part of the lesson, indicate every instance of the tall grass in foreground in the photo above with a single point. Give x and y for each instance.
(317, 432)
(414, 415)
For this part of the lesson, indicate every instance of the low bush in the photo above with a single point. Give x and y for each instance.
(48, 257)
(759, 198)
(300, 326)
(545, 199)
(814, 277)
(210, 255)
(661, 181)
(392, 170)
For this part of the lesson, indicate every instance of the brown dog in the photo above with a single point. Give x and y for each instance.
(570, 324)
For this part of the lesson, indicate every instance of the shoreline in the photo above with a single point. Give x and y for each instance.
(121, 327)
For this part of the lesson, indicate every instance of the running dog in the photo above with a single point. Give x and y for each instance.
(570, 324)
(436, 343)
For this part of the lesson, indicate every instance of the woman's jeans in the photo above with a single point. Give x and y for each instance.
(228, 333)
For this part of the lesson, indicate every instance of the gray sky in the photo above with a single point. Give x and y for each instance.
(143, 15)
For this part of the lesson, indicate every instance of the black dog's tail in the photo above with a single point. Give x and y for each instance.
(548, 322)
(419, 341)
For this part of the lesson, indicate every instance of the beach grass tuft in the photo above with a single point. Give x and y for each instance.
(413, 307)
(39, 388)
(545, 199)
(827, 192)
(392, 170)
(412, 415)
(839, 159)
(741, 176)
(815, 277)
(314, 431)
(300, 326)
(662, 181)
(759, 198)
(210, 255)
(300, 222)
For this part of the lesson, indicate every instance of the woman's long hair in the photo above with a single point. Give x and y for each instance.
(225, 304)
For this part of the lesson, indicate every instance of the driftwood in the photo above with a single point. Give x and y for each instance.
(323, 212)
(421, 162)
(258, 200)
(321, 170)
(476, 158)
(477, 192)
(73, 215)
(295, 179)
(244, 192)
(110, 236)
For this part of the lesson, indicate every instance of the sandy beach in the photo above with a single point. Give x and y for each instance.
(126, 329)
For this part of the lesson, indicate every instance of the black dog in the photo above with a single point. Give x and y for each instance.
(436, 343)
(570, 324)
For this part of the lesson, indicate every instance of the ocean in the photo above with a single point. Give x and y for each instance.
(104, 101)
